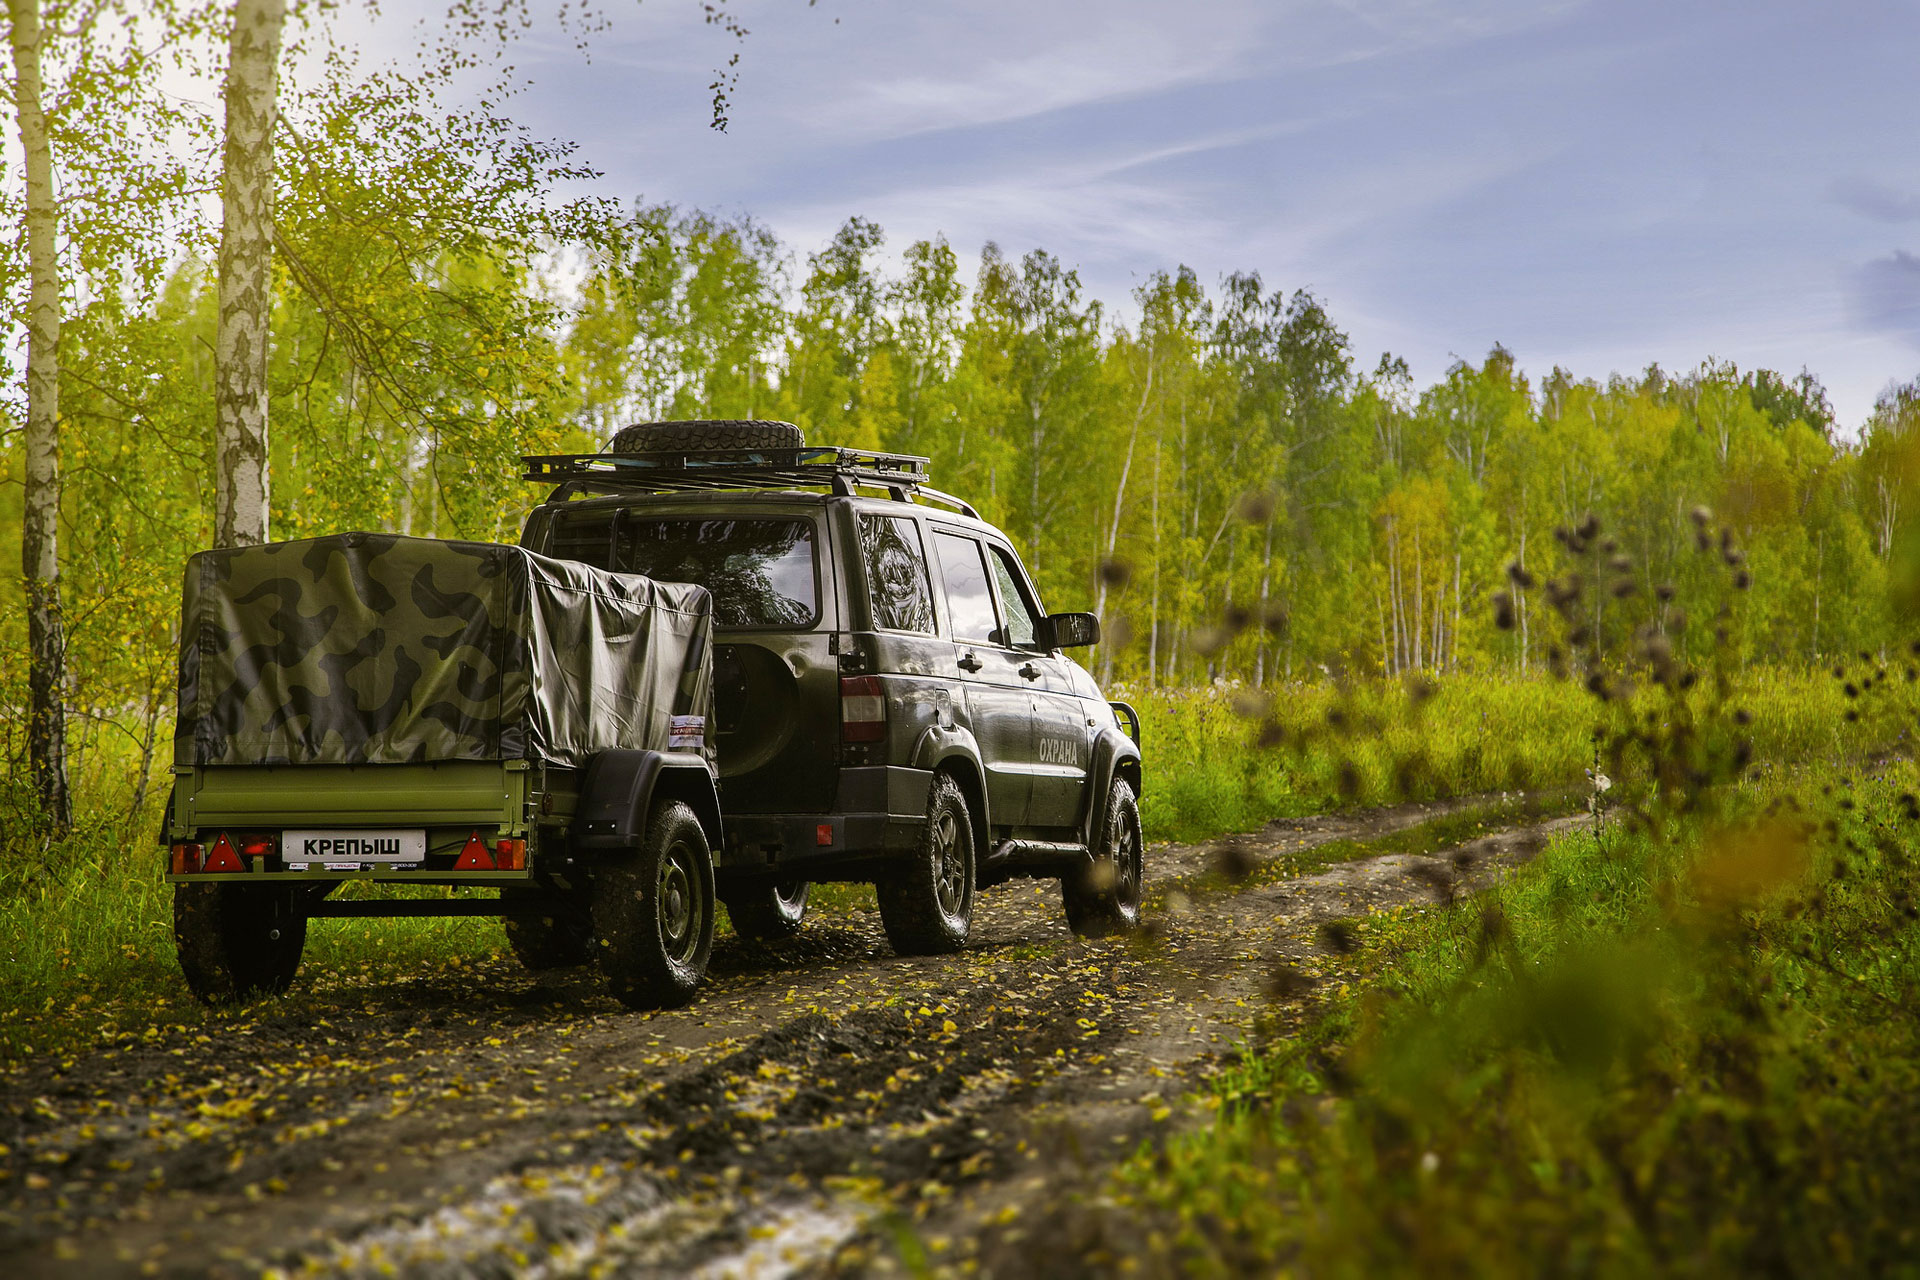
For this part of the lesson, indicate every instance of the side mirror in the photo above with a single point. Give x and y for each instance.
(1072, 630)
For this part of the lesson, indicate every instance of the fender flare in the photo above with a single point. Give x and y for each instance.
(940, 745)
(617, 794)
(1114, 755)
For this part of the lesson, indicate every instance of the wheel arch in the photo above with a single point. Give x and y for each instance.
(1114, 756)
(617, 796)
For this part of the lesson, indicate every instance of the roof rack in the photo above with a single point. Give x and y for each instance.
(902, 475)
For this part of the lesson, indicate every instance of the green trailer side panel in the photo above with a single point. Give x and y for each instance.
(452, 793)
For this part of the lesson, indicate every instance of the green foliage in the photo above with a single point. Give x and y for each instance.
(1637, 1055)
(1681, 1040)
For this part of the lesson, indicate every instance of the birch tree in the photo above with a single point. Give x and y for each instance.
(40, 529)
(246, 274)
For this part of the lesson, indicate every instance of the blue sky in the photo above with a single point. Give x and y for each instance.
(1598, 185)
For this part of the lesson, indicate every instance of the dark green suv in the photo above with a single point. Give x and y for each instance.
(892, 702)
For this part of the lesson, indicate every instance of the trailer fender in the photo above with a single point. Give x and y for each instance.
(617, 795)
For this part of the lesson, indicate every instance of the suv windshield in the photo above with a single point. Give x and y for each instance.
(760, 572)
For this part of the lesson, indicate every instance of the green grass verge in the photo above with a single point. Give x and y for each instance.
(1692, 1049)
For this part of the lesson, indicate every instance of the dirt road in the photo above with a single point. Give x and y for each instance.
(825, 1108)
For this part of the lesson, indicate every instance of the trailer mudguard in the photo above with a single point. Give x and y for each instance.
(618, 791)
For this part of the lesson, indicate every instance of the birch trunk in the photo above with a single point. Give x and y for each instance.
(40, 527)
(246, 275)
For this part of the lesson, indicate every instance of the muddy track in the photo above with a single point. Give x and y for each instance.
(823, 1106)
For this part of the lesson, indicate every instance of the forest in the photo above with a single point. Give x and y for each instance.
(1208, 465)
(1216, 473)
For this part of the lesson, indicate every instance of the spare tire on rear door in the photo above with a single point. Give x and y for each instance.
(707, 433)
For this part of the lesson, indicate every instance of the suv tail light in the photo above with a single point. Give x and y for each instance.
(863, 709)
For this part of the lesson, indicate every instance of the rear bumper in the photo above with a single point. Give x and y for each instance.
(408, 876)
(880, 815)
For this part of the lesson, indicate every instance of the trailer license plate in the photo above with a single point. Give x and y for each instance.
(346, 850)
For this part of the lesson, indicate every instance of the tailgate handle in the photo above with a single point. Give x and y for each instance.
(970, 663)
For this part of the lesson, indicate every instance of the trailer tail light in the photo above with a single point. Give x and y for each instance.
(256, 846)
(185, 859)
(222, 858)
(863, 709)
(510, 855)
(474, 855)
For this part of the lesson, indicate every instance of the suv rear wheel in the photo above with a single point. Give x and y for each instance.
(653, 910)
(1103, 896)
(768, 913)
(927, 907)
(561, 938)
(237, 940)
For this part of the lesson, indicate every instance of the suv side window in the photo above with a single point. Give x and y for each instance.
(1022, 623)
(969, 594)
(897, 584)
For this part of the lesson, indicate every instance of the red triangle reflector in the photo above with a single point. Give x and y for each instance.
(474, 856)
(222, 857)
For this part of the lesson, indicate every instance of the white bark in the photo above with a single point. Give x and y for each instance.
(40, 528)
(246, 275)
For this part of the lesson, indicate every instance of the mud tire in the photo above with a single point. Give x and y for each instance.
(560, 940)
(224, 934)
(927, 906)
(706, 433)
(653, 912)
(768, 913)
(1103, 896)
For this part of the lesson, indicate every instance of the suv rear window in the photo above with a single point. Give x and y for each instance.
(760, 572)
(896, 574)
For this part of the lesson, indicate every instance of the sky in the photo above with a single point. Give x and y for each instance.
(1595, 185)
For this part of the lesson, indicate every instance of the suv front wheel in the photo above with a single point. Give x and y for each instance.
(927, 907)
(1103, 896)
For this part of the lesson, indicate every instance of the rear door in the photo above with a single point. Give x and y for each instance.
(770, 569)
(1061, 739)
(999, 710)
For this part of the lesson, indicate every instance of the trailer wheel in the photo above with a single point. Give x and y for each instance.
(770, 912)
(557, 940)
(653, 910)
(1103, 897)
(236, 941)
(927, 906)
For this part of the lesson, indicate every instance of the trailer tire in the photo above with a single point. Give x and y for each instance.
(237, 941)
(769, 912)
(706, 433)
(560, 939)
(653, 912)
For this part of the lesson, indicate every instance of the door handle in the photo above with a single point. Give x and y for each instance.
(970, 663)
(1030, 672)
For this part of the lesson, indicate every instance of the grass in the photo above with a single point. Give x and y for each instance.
(1229, 759)
(1687, 1046)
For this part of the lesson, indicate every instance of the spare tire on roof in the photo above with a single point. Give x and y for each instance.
(707, 433)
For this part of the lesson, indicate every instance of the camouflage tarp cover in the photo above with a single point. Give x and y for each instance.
(365, 648)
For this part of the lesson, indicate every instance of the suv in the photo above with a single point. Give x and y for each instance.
(892, 704)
